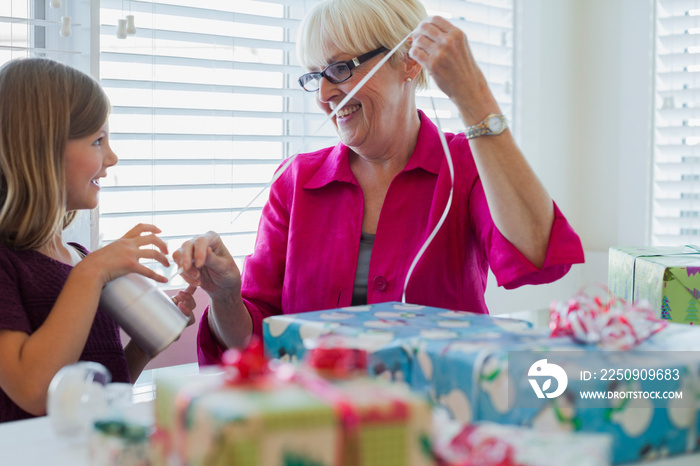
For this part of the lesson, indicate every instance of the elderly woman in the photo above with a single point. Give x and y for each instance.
(342, 225)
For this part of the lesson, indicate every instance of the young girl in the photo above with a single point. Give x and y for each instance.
(54, 149)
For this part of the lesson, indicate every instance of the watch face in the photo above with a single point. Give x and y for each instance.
(495, 124)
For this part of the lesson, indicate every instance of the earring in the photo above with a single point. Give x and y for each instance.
(408, 80)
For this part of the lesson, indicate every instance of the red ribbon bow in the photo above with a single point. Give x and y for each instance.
(247, 365)
(339, 363)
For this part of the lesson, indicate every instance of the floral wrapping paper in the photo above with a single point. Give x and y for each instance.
(461, 361)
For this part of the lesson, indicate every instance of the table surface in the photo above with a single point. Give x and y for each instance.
(33, 441)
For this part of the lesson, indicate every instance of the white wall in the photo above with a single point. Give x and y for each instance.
(585, 128)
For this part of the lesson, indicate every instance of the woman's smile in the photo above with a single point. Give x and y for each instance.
(348, 110)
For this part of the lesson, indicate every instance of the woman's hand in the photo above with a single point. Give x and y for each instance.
(206, 263)
(444, 51)
(122, 256)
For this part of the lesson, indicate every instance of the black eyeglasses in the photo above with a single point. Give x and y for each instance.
(336, 72)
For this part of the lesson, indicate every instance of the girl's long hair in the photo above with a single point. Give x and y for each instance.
(43, 104)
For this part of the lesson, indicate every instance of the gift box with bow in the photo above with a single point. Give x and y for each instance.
(245, 412)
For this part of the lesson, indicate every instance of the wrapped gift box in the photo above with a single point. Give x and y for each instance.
(668, 277)
(203, 420)
(494, 384)
(392, 333)
(383, 329)
(477, 367)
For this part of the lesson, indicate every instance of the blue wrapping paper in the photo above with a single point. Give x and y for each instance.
(476, 366)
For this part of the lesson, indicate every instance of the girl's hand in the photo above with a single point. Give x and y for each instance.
(207, 263)
(186, 303)
(122, 256)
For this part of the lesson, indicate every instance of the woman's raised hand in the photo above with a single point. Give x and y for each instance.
(123, 255)
(443, 49)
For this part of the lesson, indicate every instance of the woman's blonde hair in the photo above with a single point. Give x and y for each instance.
(43, 104)
(357, 27)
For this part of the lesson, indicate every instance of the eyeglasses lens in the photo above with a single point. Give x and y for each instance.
(338, 72)
(310, 81)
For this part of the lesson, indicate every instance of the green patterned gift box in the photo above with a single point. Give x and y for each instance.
(668, 277)
(204, 420)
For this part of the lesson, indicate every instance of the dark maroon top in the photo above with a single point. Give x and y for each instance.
(30, 283)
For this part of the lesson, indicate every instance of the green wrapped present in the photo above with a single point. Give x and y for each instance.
(668, 277)
(205, 420)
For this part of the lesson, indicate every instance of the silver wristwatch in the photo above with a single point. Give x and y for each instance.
(492, 125)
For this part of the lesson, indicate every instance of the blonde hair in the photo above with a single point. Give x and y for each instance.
(43, 104)
(357, 27)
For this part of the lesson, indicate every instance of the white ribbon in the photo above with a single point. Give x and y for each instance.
(445, 147)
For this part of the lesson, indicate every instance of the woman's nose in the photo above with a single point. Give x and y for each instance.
(326, 90)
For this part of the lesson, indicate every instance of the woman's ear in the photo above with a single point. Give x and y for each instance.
(412, 68)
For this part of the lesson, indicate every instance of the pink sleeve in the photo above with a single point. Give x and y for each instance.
(208, 350)
(513, 270)
(257, 315)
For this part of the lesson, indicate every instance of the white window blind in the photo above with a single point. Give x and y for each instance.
(490, 29)
(206, 105)
(676, 170)
(31, 28)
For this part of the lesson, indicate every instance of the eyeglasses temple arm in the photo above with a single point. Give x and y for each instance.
(367, 77)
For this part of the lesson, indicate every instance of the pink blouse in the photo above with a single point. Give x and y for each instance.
(308, 239)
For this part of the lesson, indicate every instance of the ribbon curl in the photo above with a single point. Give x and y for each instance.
(471, 447)
(609, 322)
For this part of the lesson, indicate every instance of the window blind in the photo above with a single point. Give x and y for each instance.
(490, 29)
(16, 30)
(206, 106)
(31, 28)
(676, 158)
